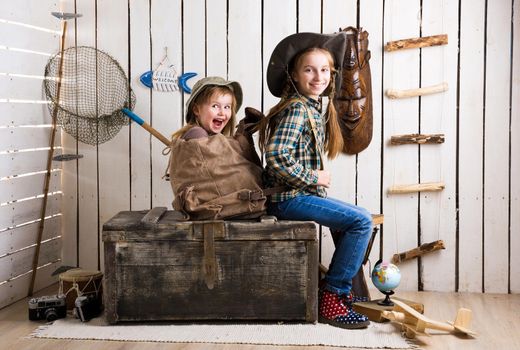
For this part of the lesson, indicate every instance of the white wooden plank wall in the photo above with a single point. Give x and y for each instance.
(402, 19)
(514, 264)
(369, 161)
(29, 37)
(496, 142)
(477, 214)
(470, 144)
(438, 115)
(165, 14)
(140, 61)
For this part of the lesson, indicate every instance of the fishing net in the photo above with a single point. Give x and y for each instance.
(94, 89)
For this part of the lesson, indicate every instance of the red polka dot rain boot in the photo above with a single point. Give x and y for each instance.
(337, 311)
(357, 298)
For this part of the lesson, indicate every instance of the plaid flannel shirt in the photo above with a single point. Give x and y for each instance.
(291, 156)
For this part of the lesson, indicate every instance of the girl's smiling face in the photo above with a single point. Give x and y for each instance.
(214, 113)
(312, 73)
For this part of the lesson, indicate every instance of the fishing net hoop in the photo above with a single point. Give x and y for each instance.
(94, 90)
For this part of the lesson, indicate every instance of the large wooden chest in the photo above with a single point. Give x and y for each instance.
(160, 268)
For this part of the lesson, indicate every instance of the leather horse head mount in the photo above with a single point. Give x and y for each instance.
(354, 101)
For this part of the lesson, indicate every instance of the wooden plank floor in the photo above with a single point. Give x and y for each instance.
(496, 318)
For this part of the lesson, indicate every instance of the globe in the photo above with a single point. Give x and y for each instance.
(386, 276)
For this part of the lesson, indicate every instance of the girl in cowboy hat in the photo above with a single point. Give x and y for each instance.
(293, 138)
(211, 108)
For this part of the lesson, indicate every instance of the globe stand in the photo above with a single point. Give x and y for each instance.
(386, 301)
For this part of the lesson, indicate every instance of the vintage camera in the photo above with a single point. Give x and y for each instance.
(49, 307)
(87, 307)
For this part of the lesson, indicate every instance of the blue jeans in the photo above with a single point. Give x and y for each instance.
(352, 224)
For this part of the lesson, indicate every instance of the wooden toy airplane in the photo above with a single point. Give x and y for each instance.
(415, 323)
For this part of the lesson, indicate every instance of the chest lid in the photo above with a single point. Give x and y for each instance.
(162, 224)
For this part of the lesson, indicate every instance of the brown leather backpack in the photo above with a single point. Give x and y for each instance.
(218, 177)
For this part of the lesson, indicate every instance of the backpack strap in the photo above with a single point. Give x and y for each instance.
(312, 122)
(261, 194)
(165, 152)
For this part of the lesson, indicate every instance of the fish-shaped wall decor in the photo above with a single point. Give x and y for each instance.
(166, 80)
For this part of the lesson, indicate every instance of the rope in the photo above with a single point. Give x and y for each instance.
(80, 292)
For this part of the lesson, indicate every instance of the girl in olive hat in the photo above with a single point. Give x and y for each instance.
(294, 136)
(211, 108)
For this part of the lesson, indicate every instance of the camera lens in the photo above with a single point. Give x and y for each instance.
(50, 314)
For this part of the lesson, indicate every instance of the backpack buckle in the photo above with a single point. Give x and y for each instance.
(251, 195)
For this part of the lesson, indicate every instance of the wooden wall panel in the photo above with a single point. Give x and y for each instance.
(18, 238)
(29, 38)
(19, 61)
(309, 16)
(88, 166)
(20, 262)
(216, 39)
(401, 71)
(12, 114)
(22, 88)
(369, 161)
(22, 212)
(114, 196)
(194, 37)
(244, 45)
(70, 169)
(279, 22)
(470, 150)
(16, 289)
(40, 39)
(18, 163)
(167, 115)
(496, 142)
(140, 149)
(438, 114)
(514, 263)
(24, 187)
(26, 138)
(476, 214)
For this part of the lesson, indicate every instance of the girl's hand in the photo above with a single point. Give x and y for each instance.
(323, 178)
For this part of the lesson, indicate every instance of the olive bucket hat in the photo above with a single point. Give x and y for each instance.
(284, 53)
(212, 81)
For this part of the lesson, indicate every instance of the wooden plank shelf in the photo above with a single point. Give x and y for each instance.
(414, 43)
(420, 250)
(428, 90)
(416, 138)
(424, 187)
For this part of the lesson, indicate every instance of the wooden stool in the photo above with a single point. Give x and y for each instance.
(359, 284)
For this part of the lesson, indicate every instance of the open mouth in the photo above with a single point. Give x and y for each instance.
(218, 123)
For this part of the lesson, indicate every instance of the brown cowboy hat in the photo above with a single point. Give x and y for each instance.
(288, 48)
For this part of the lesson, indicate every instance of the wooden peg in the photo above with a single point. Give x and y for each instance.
(420, 250)
(416, 138)
(424, 187)
(393, 93)
(414, 43)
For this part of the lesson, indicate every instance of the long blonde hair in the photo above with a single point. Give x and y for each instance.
(333, 137)
(204, 96)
